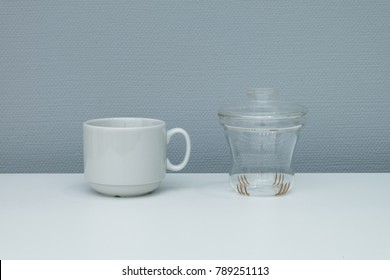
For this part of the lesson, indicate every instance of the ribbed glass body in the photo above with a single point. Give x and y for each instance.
(262, 134)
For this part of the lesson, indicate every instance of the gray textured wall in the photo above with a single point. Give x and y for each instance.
(63, 62)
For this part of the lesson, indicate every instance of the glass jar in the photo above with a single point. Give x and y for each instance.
(262, 133)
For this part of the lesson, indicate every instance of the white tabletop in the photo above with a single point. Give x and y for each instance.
(195, 216)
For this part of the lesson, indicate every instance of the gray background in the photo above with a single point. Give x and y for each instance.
(64, 62)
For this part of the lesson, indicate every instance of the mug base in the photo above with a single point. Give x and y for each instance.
(125, 190)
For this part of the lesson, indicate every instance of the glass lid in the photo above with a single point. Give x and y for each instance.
(262, 107)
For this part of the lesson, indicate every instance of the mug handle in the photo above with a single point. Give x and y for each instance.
(181, 165)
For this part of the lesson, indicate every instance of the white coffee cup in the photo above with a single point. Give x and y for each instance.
(127, 156)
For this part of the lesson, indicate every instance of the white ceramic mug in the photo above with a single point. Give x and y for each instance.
(127, 156)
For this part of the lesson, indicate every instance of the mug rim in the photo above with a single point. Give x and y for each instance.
(94, 123)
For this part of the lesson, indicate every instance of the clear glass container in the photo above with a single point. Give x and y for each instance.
(262, 133)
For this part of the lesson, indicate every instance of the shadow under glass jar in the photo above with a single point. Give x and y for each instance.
(262, 133)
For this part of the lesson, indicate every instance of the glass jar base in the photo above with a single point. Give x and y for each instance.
(261, 184)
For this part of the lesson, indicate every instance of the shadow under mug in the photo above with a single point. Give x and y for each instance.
(127, 156)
